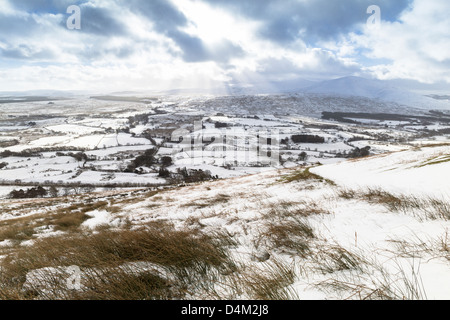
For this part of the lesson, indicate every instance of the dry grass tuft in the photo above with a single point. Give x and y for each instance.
(193, 261)
(335, 258)
(220, 199)
(17, 232)
(287, 209)
(289, 235)
(423, 208)
(69, 221)
(305, 175)
(271, 281)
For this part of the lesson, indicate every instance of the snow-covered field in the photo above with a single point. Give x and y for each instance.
(43, 144)
(324, 221)
(421, 172)
(366, 229)
(358, 248)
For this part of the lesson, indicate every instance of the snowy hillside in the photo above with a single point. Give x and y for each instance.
(421, 172)
(281, 234)
(177, 198)
(376, 89)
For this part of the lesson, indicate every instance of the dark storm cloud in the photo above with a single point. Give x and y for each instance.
(282, 22)
(317, 20)
(168, 19)
(165, 16)
(101, 22)
(194, 49)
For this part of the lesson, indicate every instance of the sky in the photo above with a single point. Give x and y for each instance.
(151, 45)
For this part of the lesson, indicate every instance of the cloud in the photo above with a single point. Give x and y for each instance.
(309, 20)
(168, 20)
(170, 41)
(314, 64)
(17, 26)
(23, 52)
(101, 21)
(417, 46)
(165, 16)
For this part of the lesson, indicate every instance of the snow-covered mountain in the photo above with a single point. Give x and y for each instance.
(376, 89)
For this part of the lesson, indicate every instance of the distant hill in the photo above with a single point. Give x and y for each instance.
(376, 89)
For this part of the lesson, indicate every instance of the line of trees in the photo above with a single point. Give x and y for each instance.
(79, 156)
(21, 154)
(62, 184)
(37, 152)
(306, 138)
(38, 192)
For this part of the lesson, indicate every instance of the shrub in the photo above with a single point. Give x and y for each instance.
(359, 153)
(163, 172)
(145, 160)
(303, 156)
(166, 161)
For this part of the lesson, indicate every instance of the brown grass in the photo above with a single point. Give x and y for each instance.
(114, 209)
(305, 175)
(70, 221)
(17, 232)
(289, 235)
(271, 281)
(423, 208)
(209, 202)
(287, 209)
(191, 259)
(335, 258)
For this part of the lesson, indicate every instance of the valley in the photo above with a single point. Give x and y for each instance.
(267, 202)
(95, 142)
